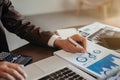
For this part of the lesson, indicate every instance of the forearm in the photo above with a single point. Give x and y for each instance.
(15, 23)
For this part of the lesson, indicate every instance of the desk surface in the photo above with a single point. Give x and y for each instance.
(36, 52)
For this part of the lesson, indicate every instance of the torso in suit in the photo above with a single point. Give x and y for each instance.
(15, 23)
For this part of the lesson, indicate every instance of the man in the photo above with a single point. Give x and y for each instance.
(15, 23)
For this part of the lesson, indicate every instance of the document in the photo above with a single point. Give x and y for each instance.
(64, 33)
(103, 62)
(102, 34)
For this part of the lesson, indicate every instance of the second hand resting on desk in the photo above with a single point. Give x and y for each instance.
(79, 46)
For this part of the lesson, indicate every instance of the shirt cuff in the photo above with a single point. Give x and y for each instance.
(52, 40)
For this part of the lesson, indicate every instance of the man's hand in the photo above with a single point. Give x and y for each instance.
(10, 71)
(70, 47)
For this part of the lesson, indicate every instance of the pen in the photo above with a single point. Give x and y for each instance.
(76, 44)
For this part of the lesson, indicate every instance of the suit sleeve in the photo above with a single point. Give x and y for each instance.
(14, 22)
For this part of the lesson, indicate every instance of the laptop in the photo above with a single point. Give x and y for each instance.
(55, 68)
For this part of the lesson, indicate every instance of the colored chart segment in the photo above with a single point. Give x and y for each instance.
(106, 65)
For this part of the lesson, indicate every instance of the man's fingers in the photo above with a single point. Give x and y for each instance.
(14, 73)
(72, 48)
(76, 49)
(77, 37)
(84, 44)
(81, 40)
(18, 68)
(6, 76)
(10, 71)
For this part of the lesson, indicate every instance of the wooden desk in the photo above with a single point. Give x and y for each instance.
(36, 52)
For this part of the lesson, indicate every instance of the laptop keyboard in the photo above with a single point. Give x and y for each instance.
(63, 74)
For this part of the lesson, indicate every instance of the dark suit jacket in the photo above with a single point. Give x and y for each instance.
(15, 23)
